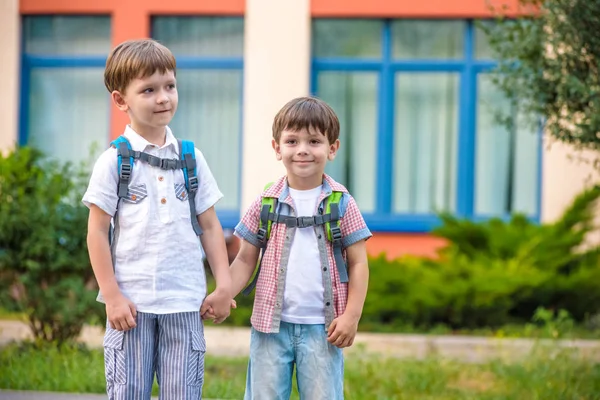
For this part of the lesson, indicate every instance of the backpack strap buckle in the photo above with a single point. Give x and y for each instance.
(193, 180)
(261, 235)
(336, 234)
(167, 163)
(305, 222)
(125, 171)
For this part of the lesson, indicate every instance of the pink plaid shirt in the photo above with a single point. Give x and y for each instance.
(268, 300)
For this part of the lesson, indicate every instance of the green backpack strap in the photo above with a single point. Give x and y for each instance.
(334, 233)
(268, 205)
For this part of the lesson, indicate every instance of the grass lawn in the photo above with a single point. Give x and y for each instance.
(77, 369)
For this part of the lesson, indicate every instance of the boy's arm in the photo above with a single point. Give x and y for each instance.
(358, 278)
(343, 329)
(119, 310)
(243, 266)
(213, 242)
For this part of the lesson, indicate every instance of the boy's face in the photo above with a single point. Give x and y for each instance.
(150, 102)
(304, 154)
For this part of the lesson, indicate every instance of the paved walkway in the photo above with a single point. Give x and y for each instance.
(234, 342)
(27, 395)
(30, 395)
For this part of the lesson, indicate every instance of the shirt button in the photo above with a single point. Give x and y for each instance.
(277, 304)
(327, 304)
(282, 270)
(319, 236)
(161, 178)
(133, 197)
(163, 200)
(324, 268)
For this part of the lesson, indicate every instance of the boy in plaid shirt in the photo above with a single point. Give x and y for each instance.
(309, 298)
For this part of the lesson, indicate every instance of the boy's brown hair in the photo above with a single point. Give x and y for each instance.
(134, 59)
(305, 113)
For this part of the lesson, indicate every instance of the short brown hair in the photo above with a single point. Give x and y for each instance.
(136, 59)
(304, 113)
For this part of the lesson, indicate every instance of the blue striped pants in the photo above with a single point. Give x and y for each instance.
(170, 345)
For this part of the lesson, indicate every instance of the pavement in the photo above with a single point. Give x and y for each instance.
(234, 342)
(30, 395)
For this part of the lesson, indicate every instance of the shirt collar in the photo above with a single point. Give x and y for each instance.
(138, 143)
(280, 188)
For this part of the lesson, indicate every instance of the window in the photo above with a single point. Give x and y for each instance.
(64, 104)
(418, 127)
(209, 52)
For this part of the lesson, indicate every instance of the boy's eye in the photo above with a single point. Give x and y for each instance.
(291, 141)
(148, 90)
(171, 86)
(315, 141)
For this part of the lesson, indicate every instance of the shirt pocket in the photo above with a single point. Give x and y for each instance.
(134, 207)
(182, 203)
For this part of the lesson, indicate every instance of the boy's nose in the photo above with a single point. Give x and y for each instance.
(302, 149)
(162, 99)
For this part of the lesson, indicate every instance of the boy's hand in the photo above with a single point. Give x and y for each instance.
(209, 313)
(121, 313)
(342, 331)
(217, 306)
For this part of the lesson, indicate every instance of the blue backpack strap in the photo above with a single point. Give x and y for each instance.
(187, 153)
(125, 157)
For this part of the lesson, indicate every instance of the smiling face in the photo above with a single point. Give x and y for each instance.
(150, 102)
(304, 154)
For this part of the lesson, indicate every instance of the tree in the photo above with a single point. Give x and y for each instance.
(549, 66)
(45, 271)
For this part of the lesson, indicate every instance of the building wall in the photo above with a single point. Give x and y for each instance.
(276, 69)
(9, 68)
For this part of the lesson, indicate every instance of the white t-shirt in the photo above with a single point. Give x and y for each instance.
(303, 293)
(157, 257)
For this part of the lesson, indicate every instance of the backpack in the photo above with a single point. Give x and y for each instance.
(187, 163)
(331, 220)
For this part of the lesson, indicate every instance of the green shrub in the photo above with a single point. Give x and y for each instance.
(45, 271)
(491, 273)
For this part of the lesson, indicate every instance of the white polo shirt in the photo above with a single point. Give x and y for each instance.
(157, 257)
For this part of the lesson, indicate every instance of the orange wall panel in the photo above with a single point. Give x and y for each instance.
(395, 245)
(67, 6)
(207, 7)
(411, 9)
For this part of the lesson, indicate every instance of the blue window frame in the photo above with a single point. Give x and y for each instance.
(209, 53)
(418, 128)
(64, 107)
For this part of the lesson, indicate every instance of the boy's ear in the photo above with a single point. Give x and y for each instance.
(333, 149)
(277, 149)
(119, 100)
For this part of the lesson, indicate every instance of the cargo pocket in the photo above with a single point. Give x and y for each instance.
(195, 374)
(114, 358)
(133, 207)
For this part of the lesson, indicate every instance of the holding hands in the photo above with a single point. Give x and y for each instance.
(217, 305)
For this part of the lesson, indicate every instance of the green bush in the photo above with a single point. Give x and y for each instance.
(491, 274)
(45, 271)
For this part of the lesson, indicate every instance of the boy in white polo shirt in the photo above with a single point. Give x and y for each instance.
(151, 274)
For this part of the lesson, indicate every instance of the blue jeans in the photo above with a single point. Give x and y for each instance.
(319, 365)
